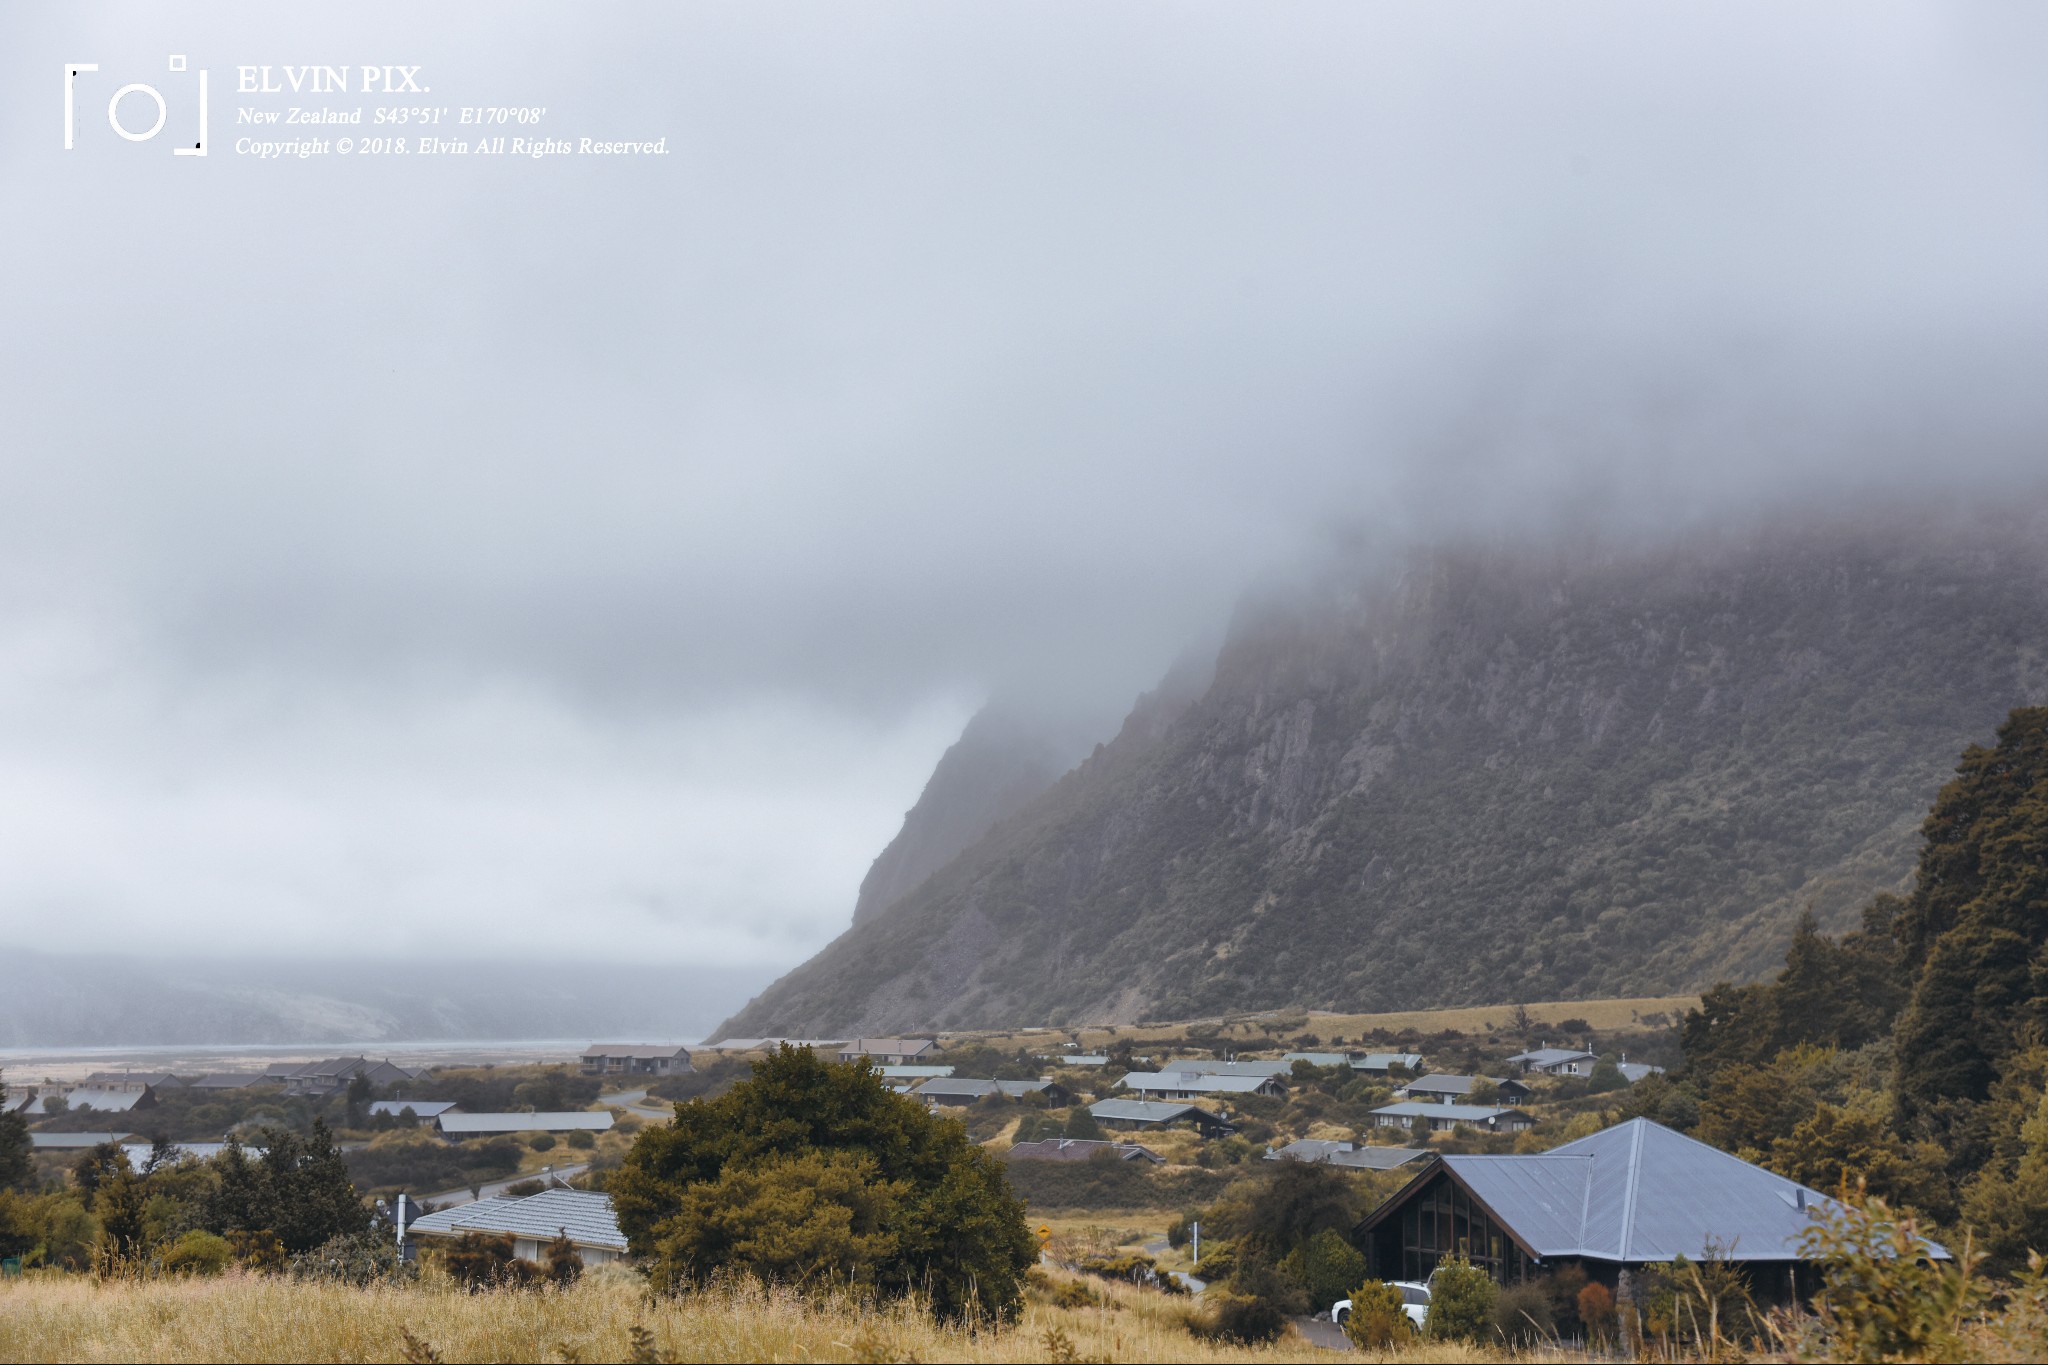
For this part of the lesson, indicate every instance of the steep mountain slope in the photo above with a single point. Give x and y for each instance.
(1007, 755)
(1495, 774)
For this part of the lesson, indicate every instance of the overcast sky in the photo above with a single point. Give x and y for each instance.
(417, 553)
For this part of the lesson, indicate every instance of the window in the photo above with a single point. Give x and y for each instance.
(1443, 1221)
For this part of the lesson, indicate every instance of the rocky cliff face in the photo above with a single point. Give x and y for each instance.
(1493, 774)
(1007, 755)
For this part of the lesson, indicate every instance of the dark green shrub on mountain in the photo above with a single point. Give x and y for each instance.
(813, 1171)
(1081, 1124)
(1326, 1267)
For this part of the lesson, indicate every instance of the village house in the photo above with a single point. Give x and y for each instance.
(1349, 1155)
(585, 1217)
(111, 1101)
(1158, 1114)
(1210, 1067)
(887, 1051)
(1555, 1061)
(1194, 1085)
(115, 1081)
(1455, 1089)
(1381, 1063)
(453, 1123)
(946, 1090)
(1318, 1058)
(1632, 1195)
(635, 1059)
(1444, 1117)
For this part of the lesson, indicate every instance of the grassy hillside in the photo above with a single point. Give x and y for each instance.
(1493, 775)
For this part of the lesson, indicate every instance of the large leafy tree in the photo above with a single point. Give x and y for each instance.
(813, 1172)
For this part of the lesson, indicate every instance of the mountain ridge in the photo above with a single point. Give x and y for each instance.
(1486, 773)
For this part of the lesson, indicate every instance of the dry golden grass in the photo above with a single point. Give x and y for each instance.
(247, 1318)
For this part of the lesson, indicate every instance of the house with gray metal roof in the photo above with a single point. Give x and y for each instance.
(1379, 1063)
(913, 1073)
(1444, 1117)
(1157, 1114)
(73, 1142)
(585, 1217)
(1196, 1085)
(1440, 1085)
(1209, 1066)
(1636, 1071)
(1318, 1058)
(1349, 1155)
(420, 1109)
(888, 1051)
(1555, 1061)
(1082, 1059)
(948, 1090)
(1632, 1195)
(456, 1124)
(111, 1101)
(635, 1059)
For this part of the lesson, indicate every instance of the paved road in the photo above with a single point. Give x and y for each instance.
(497, 1187)
(636, 1102)
(1325, 1334)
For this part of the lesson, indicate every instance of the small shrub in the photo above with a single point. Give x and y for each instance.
(543, 1142)
(1596, 1313)
(1880, 1298)
(198, 1253)
(1325, 1267)
(1461, 1298)
(1378, 1320)
(1521, 1315)
(523, 1189)
(582, 1140)
(563, 1261)
(477, 1261)
(1253, 1309)
(359, 1258)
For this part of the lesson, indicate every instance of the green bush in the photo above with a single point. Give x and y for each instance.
(1379, 1320)
(1325, 1268)
(1251, 1309)
(1880, 1298)
(198, 1252)
(1461, 1299)
(543, 1142)
(582, 1139)
(358, 1258)
(814, 1172)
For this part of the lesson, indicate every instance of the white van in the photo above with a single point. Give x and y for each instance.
(1414, 1302)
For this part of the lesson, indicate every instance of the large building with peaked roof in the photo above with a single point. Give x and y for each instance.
(584, 1217)
(1629, 1196)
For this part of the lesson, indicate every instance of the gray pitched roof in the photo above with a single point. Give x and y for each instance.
(425, 1109)
(1318, 1058)
(1551, 1056)
(1078, 1149)
(584, 1216)
(899, 1073)
(107, 1101)
(1205, 1082)
(1638, 1192)
(1636, 1071)
(1146, 1111)
(1380, 1061)
(1346, 1154)
(644, 1051)
(455, 1121)
(1439, 1083)
(1471, 1113)
(1210, 1067)
(74, 1141)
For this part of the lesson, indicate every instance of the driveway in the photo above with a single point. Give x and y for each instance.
(1323, 1333)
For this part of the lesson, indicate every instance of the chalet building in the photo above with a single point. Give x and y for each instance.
(1347, 1155)
(586, 1218)
(130, 1080)
(1208, 1067)
(120, 1101)
(1142, 1114)
(636, 1060)
(1380, 1063)
(453, 1123)
(946, 1090)
(888, 1051)
(1555, 1061)
(1457, 1089)
(1442, 1118)
(1198, 1085)
(1633, 1195)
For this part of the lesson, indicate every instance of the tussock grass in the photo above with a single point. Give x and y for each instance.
(252, 1318)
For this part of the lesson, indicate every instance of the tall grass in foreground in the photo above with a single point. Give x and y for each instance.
(270, 1318)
